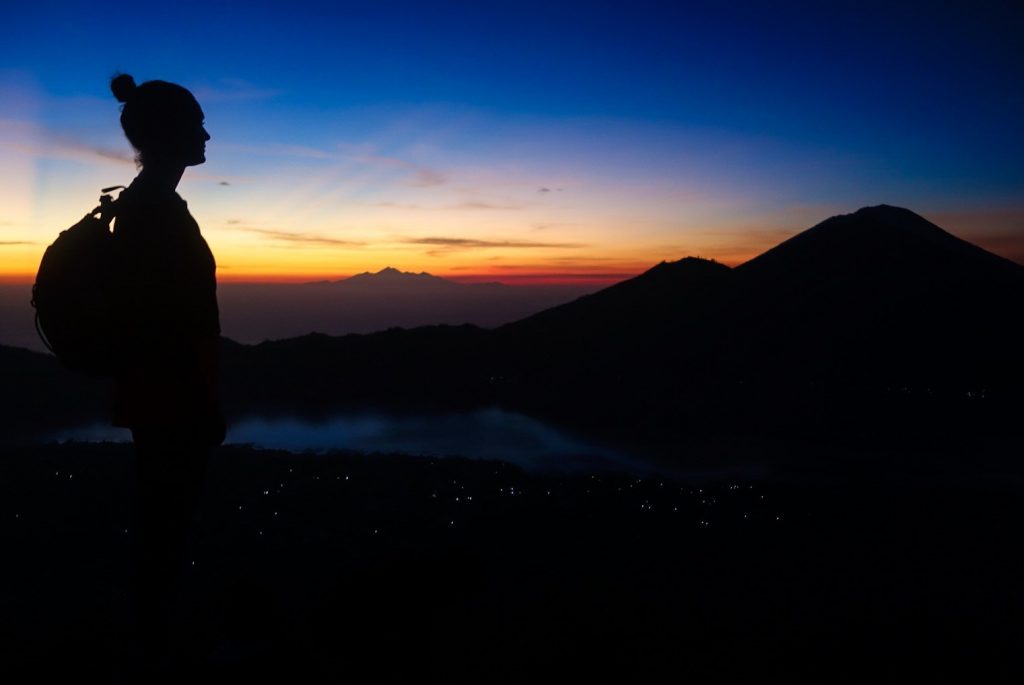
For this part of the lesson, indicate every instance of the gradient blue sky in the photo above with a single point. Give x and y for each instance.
(523, 140)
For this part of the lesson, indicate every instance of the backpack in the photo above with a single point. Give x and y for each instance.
(72, 294)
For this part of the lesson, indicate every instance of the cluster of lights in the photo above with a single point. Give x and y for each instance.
(514, 491)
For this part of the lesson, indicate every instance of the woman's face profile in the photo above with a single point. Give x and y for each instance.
(194, 137)
(185, 135)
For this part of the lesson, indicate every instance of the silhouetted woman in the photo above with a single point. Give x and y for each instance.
(168, 330)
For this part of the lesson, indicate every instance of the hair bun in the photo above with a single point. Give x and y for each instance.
(122, 86)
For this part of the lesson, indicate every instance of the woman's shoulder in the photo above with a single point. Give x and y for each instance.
(139, 196)
(139, 206)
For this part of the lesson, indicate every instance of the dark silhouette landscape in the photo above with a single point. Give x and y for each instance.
(364, 303)
(873, 324)
(862, 381)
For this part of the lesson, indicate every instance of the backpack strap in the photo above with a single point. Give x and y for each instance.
(107, 209)
(39, 328)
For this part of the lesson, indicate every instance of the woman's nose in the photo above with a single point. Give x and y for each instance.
(206, 135)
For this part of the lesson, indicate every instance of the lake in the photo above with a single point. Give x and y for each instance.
(480, 434)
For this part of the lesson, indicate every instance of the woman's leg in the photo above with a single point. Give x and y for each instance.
(171, 468)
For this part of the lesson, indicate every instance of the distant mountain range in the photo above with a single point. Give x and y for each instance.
(370, 302)
(389, 277)
(876, 323)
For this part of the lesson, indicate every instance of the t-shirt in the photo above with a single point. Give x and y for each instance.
(167, 320)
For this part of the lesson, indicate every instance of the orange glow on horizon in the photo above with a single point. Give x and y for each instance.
(539, 278)
(520, 278)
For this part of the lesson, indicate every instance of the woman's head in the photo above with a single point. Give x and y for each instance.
(162, 121)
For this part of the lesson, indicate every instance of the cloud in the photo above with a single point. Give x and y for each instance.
(473, 242)
(280, 150)
(447, 245)
(233, 90)
(392, 205)
(425, 178)
(224, 183)
(104, 152)
(470, 204)
(568, 276)
(422, 177)
(55, 145)
(477, 204)
(16, 242)
(381, 160)
(302, 238)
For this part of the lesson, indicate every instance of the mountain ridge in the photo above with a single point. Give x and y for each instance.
(817, 333)
(872, 234)
(842, 329)
(392, 277)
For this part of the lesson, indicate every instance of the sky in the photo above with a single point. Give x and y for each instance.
(516, 141)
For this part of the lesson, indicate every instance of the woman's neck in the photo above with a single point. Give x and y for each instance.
(162, 177)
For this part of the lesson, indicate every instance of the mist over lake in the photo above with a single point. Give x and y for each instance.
(481, 434)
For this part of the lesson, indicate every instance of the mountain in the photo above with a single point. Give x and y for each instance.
(854, 315)
(877, 259)
(600, 344)
(390, 278)
(881, 287)
(875, 325)
(872, 321)
(370, 302)
(892, 239)
(665, 292)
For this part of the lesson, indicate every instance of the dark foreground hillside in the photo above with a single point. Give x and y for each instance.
(875, 325)
(383, 569)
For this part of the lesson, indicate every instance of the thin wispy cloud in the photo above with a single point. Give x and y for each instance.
(421, 176)
(279, 150)
(29, 139)
(392, 205)
(474, 242)
(447, 245)
(382, 160)
(426, 178)
(477, 204)
(234, 90)
(302, 238)
(5, 243)
(470, 205)
(102, 152)
(564, 276)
